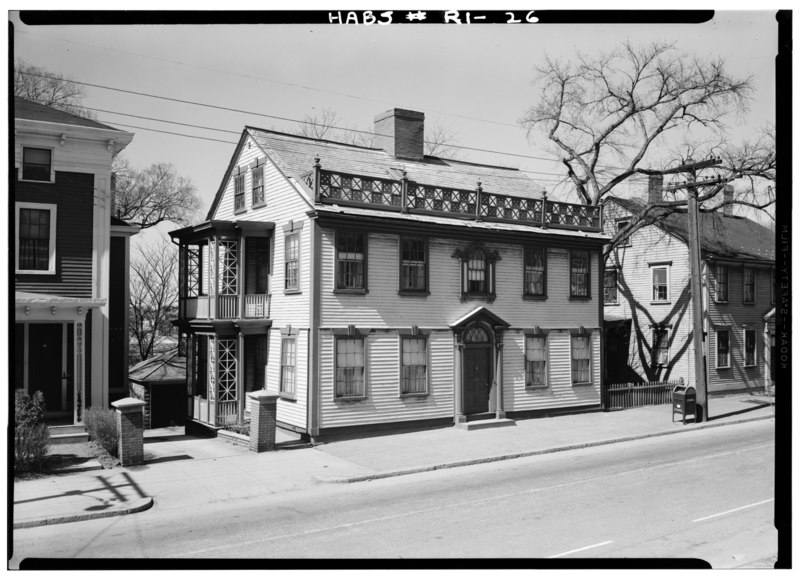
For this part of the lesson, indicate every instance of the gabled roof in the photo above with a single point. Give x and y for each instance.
(722, 236)
(294, 155)
(28, 110)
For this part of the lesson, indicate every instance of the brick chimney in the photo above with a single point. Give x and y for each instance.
(655, 183)
(400, 133)
(727, 198)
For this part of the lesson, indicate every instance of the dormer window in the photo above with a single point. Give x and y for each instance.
(477, 272)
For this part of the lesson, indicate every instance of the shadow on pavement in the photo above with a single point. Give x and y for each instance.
(756, 405)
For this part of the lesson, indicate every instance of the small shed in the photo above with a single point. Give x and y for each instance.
(160, 382)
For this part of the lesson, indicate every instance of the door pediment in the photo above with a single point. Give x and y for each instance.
(480, 314)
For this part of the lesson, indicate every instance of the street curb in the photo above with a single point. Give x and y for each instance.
(524, 454)
(137, 506)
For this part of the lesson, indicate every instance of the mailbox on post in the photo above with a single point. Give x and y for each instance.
(684, 402)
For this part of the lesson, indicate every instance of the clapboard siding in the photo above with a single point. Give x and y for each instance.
(75, 155)
(73, 194)
(292, 412)
(383, 403)
(383, 307)
(283, 204)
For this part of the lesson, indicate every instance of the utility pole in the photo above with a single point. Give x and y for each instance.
(698, 335)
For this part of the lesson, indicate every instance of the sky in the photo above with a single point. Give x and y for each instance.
(475, 80)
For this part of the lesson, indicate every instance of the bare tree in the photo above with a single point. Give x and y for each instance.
(48, 88)
(153, 195)
(153, 297)
(440, 141)
(324, 125)
(608, 115)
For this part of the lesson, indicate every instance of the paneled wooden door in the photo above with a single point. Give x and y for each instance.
(477, 377)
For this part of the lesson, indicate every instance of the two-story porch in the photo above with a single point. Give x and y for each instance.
(224, 315)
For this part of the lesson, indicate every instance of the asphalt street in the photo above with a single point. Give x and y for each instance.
(706, 494)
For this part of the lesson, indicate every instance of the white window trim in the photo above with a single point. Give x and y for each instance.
(546, 383)
(744, 347)
(286, 238)
(51, 262)
(281, 388)
(427, 368)
(652, 283)
(716, 349)
(22, 165)
(591, 359)
(364, 350)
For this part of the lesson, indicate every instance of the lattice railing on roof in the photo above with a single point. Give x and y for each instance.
(511, 208)
(441, 199)
(574, 215)
(372, 191)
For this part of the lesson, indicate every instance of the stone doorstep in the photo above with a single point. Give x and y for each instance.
(485, 424)
(67, 434)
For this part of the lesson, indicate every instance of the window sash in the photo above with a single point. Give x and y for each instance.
(535, 360)
(34, 239)
(36, 164)
(238, 192)
(579, 274)
(349, 368)
(660, 284)
(288, 365)
(723, 349)
(749, 347)
(257, 184)
(414, 365)
(350, 261)
(610, 286)
(581, 359)
(721, 283)
(413, 265)
(476, 272)
(661, 347)
(292, 261)
(621, 225)
(535, 271)
(749, 281)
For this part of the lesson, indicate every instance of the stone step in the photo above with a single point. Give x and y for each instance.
(68, 434)
(66, 429)
(485, 423)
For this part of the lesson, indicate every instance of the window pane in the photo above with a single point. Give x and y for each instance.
(288, 364)
(414, 366)
(535, 270)
(659, 284)
(749, 285)
(723, 349)
(579, 273)
(412, 277)
(349, 367)
(749, 347)
(292, 257)
(581, 357)
(238, 192)
(722, 283)
(660, 347)
(476, 272)
(536, 360)
(34, 239)
(610, 286)
(36, 164)
(257, 180)
(350, 261)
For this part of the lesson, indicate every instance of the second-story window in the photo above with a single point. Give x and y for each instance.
(413, 265)
(351, 261)
(622, 224)
(36, 164)
(610, 287)
(721, 283)
(579, 274)
(238, 192)
(36, 238)
(749, 289)
(477, 272)
(660, 284)
(535, 271)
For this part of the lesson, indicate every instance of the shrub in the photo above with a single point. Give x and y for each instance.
(31, 437)
(101, 424)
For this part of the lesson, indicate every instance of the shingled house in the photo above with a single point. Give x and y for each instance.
(378, 287)
(647, 296)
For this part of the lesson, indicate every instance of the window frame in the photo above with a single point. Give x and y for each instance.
(588, 337)
(624, 222)
(656, 362)
(51, 252)
(537, 335)
(745, 269)
(239, 191)
(413, 292)
(717, 268)
(615, 271)
(526, 253)
(286, 239)
(365, 244)
(282, 386)
(572, 254)
(337, 340)
(50, 172)
(490, 272)
(653, 269)
(745, 331)
(717, 365)
(257, 168)
(424, 338)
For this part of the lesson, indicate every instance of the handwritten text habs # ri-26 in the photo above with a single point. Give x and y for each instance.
(448, 17)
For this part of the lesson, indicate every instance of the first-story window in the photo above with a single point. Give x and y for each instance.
(723, 348)
(610, 286)
(581, 359)
(661, 347)
(535, 360)
(413, 265)
(350, 367)
(750, 347)
(351, 270)
(288, 365)
(36, 238)
(579, 274)
(414, 365)
(535, 271)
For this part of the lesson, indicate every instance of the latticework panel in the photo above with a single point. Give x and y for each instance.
(212, 369)
(192, 271)
(226, 364)
(511, 208)
(372, 191)
(229, 267)
(440, 199)
(569, 214)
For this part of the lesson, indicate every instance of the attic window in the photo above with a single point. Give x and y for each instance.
(238, 192)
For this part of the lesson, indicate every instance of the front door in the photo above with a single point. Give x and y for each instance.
(477, 379)
(44, 363)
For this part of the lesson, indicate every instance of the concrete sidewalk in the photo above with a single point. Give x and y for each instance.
(183, 471)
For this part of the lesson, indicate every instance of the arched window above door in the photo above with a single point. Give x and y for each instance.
(476, 334)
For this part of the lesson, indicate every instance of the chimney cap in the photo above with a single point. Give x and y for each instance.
(404, 112)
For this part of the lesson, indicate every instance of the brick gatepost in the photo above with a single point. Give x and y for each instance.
(130, 431)
(263, 409)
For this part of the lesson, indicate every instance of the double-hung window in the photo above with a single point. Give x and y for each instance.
(749, 285)
(477, 272)
(414, 366)
(581, 359)
(723, 349)
(351, 261)
(610, 296)
(288, 365)
(660, 347)
(749, 347)
(36, 164)
(349, 368)
(257, 183)
(535, 271)
(238, 192)
(413, 265)
(535, 361)
(36, 238)
(292, 262)
(622, 224)
(660, 284)
(579, 274)
(721, 283)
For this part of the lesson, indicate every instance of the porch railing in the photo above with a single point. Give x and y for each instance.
(629, 395)
(227, 306)
(256, 306)
(227, 412)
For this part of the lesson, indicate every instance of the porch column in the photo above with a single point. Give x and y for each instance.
(498, 374)
(458, 386)
(78, 393)
(241, 375)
